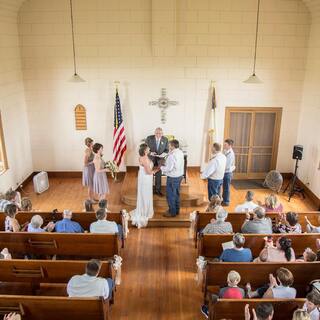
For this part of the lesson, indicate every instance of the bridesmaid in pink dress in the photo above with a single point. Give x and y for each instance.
(88, 168)
(100, 181)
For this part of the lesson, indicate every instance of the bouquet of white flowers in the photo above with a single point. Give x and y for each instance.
(112, 166)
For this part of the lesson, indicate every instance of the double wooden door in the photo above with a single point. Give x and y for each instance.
(255, 132)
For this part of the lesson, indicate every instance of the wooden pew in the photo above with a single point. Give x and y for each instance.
(55, 308)
(81, 246)
(234, 309)
(237, 219)
(210, 245)
(83, 218)
(37, 272)
(258, 274)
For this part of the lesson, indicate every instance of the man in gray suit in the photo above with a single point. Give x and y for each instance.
(158, 145)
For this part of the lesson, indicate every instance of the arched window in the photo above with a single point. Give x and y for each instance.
(3, 156)
(81, 117)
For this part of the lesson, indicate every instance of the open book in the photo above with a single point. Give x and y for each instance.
(227, 245)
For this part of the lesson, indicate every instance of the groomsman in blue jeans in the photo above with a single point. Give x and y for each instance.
(173, 169)
(215, 170)
(230, 167)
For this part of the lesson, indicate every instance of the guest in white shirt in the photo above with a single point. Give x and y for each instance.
(215, 170)
(173, 169)
(102, 225)
(230, 167)
(89, 284)
(248, 205)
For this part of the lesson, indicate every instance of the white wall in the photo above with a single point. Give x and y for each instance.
(12, 99)
(113, 39)
(309, 127)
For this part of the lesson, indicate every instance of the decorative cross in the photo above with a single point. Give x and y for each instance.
(163, 103)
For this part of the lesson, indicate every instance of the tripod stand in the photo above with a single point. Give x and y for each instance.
(294, 188)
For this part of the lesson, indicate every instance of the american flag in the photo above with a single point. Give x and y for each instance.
(119, 136)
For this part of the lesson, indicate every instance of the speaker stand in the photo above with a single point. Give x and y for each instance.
(292, 185)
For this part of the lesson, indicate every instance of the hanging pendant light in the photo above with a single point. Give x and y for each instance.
(254, 78)
(75, 77)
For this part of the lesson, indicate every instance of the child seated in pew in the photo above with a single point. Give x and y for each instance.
(263, 311)
(308, 256)
(5, 254)
(271, 204)
(283, 290)
(215, 201)
(312, 304)
(26, 204)
(310, 227)
(300, 314)
(88, 206)
(232, 291)
(36, 224)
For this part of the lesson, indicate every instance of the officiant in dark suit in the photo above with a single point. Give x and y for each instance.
(158, 145)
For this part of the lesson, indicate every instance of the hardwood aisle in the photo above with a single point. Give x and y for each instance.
(158, 277)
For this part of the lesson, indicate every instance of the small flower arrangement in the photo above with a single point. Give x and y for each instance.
(112, 166)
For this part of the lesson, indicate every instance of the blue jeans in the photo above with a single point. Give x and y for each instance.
(226, 187)
(173, 195)
(111, 286)
(214, 187)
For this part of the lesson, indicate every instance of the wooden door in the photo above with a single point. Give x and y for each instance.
(255, 132)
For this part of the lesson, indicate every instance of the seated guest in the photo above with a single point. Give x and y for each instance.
(26, 204)
(36, 223)
(89, 284)
(310, 227)
(232, 291)
(218, 225)
(12, 316)
(5, 254)
(288, 224)
(215, 201)
(301, 314)
(66, 225)
(308, 256)
(102, 225)
(273, 290)
(103, 204)
(312, 305)
(11, 224)
(248, 205)
(88, 207)
(282, 252)
(272, 204)
(10, 197)
(238, 253)
(263, 311)
(258, 224)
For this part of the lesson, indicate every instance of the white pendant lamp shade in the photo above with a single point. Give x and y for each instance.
(75, 78)
(253, 79)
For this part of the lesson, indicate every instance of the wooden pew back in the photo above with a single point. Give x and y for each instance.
(237, 219)
(78, 246)
(46, 271)
(210, 245)
(258, 273)
(234, 309)
(55, 308)
(84, 218)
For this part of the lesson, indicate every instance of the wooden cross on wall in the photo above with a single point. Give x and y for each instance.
(163, 103)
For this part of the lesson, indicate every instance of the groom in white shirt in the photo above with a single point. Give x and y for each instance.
(173, 169)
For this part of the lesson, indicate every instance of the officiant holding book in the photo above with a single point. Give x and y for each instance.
(159, 147)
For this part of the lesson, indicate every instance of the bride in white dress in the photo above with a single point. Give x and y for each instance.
(144, 209)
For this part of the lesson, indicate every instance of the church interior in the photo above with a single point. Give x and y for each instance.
(208, 75)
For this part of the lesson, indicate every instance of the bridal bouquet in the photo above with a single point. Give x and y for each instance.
(112, 166)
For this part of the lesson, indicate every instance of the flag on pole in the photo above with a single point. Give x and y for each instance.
(119, 136)
(212, 125)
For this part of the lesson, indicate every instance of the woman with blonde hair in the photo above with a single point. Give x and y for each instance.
(272, 204)
(88, 168)
(301, 314)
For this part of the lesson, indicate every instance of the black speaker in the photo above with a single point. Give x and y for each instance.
(297, 152)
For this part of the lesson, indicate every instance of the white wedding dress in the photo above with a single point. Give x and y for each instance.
(144, 209)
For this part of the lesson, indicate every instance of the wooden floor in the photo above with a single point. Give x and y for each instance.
(158, 263)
